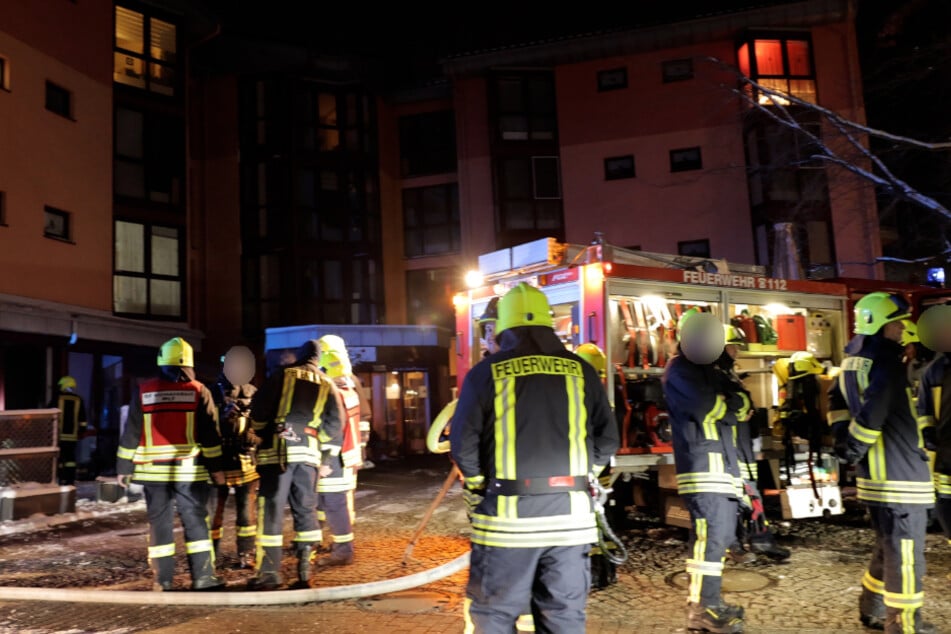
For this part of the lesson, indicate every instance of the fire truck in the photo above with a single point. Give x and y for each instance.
(628, 303)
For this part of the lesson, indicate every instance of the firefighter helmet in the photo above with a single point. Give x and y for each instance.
(594, 356)
(332, 342)
(910, 334)
(66, 383)
(734, 336)
(489, 315)
(524, 305)
(335, 364)
(877, 309)
(781, 370)
(685, 318)
(177, 352)
(803, 363)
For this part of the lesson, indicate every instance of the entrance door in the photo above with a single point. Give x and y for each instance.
(406, 421)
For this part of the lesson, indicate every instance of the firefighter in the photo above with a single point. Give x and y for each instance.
(297, 416)
(170, 445)
(533, 423)
(335, 490)
(874, 426)
(72, 424)
(238, 442)
(752, 525)
(487, 326)
(337, 344)
(702, 411)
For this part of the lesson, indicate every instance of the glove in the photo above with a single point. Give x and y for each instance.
(123, 480)
(930, 436)
(473, 498)
(847, 453)
(324, 470)
(746, 503)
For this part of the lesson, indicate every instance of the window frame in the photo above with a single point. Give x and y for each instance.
(425, 143)
(153, 123)
(4, 73)
(148, 13)
(784, 37)
(453, 226)
(674, 169)
(672, 79)
(609, 176)
(68, 114)
(602, 74)
(147, 274)
(3, 208)
(702, 245)
(529, 113)
(66, 217)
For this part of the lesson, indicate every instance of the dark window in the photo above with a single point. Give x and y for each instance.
(431, 220)
(56, 224)
(526, 107)
(148, 270)
(617, 167)
(3, 208)
(677, 70)
(4, 79)
(685, 159)
(429, 297)
(612, 79)
(781, 64)
(149, 156)
(530, 193)
(146, 52)
(694, 248)
(428, 143)
(59, 100)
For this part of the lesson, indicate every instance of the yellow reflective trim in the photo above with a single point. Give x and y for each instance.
(716, 462)
(190, 428)
(926, 421)
(577, 426)
(710, 420)
(936, 401)
(247, 531)
(124, 453)
(905, 601)
(537, 539)
(911, 486)
(713, 568)
(270, 540)
(200, 546)
(505, 429)
(211, 452)
(308, 536)
(342, 539)
(872, 584)
(699, 554)
(468, 624)
(165, 550)
(838, 416)
(943, 483)
(864, 434)
(535, 364)
(908, 566)
(876, 460)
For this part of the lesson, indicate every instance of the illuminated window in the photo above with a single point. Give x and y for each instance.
(781, 64)
(56, 224)
(151, 68)
(147, 264)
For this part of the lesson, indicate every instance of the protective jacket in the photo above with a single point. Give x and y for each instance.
(532, 422)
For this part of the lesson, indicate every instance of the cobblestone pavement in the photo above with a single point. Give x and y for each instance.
(103, 548)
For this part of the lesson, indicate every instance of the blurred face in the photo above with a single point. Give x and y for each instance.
(489, 338)
(893, 330)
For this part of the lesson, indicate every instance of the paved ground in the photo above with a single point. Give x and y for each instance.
(102, 548)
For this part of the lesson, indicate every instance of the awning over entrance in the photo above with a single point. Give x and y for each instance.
(23, 314)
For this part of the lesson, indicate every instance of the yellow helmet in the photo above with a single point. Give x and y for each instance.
(594, 356)
(734, 336)
(177, 352)
(781, 370)
(877, 309)
(524, 305)
(910, 334)
(685, 318)
(66, 383)
(335, 364)
(332, 342)
(803, 363)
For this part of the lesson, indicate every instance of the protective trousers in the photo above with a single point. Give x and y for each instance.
(555, 580)
(712, 530)
(898, 564)
(943, 506)
(245, 498)
(191, 498)
(66, 464)
(335, 506)
(297, 485)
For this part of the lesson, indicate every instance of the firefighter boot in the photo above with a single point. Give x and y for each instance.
(720, 619)
(202, 567)
(268, 576)
(164, 570)
(739, 555)
(896, 621)
(305, 557)
(764, 543)
(872, 610)
(340, 555)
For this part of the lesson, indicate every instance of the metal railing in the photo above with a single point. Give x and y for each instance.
(28, 446)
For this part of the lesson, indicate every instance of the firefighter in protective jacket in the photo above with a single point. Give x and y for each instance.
(170, 445)
(72, 424)
(872, 419)
(335, 490)
(297, 416)
(239, 444)
(702, 412)
(532, 424)
(934, 418)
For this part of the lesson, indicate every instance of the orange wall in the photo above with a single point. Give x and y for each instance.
(46, 159)
(476, 202)
(214, 245)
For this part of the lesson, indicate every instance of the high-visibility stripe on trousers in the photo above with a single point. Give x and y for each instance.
(245, 503)
(712, 530)
(191, 498)
(898, 564)
(335, 505)
(296, 485)
(554, 580)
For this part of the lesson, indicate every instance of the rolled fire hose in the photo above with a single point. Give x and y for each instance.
(434, 440)
(272, 597)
